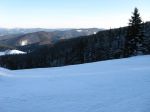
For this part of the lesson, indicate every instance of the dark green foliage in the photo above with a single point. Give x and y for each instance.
(70, 51)
(104, 45)
(135, 35)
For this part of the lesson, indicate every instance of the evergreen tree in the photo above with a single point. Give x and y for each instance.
(134, 38)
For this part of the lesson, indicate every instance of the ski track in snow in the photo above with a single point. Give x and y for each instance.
(121, 85)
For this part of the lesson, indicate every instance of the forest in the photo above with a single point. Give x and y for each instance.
(108, 44)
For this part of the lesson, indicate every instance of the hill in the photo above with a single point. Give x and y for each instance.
(15, 31)
(43, 37)
(105, 45)
(110, 86)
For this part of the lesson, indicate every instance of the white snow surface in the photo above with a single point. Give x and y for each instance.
(79, 30)
(24, 42)
(121, 85)
(11, 52)
(2, 53)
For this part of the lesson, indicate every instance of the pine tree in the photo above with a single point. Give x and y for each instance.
(134, 38)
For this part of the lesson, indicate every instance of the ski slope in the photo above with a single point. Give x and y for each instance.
(121, 85)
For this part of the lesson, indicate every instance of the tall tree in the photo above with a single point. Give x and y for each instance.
(134, 37)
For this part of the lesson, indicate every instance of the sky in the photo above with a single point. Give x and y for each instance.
(70, 13)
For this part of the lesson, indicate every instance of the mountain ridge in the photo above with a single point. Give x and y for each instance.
(44, 37)
(105, 45)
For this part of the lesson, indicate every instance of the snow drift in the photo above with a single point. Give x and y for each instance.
(121, 85)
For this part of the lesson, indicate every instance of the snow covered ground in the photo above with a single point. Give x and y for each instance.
(110, 86)
(2, 53)
(11, 52)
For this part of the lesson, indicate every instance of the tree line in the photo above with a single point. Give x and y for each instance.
(108, 44)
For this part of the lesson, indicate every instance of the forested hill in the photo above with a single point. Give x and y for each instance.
(104, 45)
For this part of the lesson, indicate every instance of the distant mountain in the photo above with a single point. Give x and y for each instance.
(10, 31)
(6, 47)
(107, 44)
(42, 37)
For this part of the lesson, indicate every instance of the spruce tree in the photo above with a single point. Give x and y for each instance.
(135, 35)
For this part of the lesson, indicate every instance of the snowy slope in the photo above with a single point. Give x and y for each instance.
(110, 86)
(11, 52)
(2, 53)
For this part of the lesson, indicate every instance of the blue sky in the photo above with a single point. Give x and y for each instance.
(70, 13)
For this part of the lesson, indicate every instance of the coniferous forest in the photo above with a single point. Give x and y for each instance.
(108, 44)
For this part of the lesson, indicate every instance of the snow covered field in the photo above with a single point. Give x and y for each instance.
(11, 52)
(110, 86)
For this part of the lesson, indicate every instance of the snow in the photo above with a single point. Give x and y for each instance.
(11, 52)
(2, 53)
(121, 85)
(79, 30)
(95, 33)
(24, 42)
